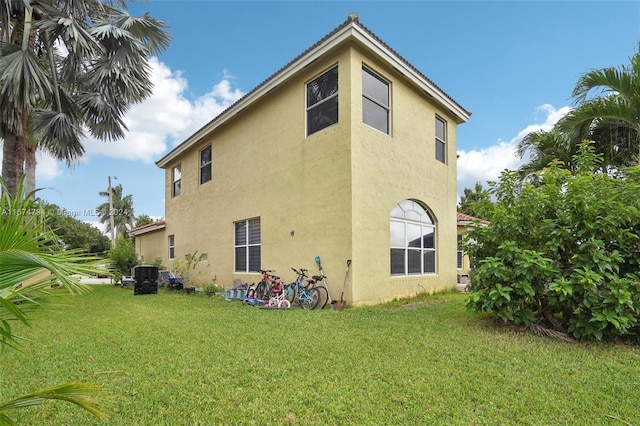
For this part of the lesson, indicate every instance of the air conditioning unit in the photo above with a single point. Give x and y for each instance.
(146, 279)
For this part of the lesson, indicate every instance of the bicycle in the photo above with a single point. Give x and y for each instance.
(324, 292)
(278, 300)
(297, 291)
(263, 289)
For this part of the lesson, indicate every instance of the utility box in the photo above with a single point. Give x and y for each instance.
(146, 279)
(463, 278)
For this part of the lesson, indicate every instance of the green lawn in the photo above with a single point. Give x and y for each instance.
(179, 359)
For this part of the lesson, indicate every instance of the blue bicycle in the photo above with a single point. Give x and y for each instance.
(297, 291)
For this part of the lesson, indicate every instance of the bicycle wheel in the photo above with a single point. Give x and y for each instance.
(290, 293)
(284, 304)
(324, 297)
(262, 291)
(309, 298)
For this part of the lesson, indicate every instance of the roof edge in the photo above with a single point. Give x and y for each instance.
(350, 27)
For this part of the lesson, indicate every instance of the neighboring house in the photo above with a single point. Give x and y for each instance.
(464, 266)
(150, 241)
(347, 152)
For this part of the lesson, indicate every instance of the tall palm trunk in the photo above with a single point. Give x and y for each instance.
(11, 166)
(30, 167)
(15, 131)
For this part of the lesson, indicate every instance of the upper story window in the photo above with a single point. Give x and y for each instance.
(176, 179)
(205, 165)
(375, 101)
(322, 101)
(441, 139)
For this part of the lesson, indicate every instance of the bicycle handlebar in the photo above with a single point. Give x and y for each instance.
(300, 272)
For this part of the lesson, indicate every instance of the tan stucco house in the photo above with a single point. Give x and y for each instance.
(346, 152)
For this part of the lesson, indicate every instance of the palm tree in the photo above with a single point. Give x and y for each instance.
(471, 199)
(31, 260)
(616, 106)
(542, 147)
(69, 69)
(122, 211)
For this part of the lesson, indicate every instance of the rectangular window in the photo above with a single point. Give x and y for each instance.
(172, 247)
(247, 245)
(205, 165)
(441, 139)
(460, 264)
(176, 179)
(322, 101)
(375, 101)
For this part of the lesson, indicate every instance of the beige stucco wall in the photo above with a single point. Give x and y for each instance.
(151, 246)
(388, 169)
(267, 168)
(327, 195)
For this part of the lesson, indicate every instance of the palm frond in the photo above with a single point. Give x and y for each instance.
(147, 29)
(607, 80)
(612, 107)
(23, 80)
(80, 394)
(59, 134)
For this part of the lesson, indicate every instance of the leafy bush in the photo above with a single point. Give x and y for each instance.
(123, 257)
(562, 254)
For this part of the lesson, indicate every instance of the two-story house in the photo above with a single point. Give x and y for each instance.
(346, 152)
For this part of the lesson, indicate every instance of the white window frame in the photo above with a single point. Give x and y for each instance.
(441, 142)
(322, 101)
(172, 246)
(460, 254)
(413, 214)
(247, 245)
(377, 102)
(208, 164)
(176, 180)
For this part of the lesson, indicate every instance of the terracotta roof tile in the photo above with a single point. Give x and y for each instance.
(462, 217)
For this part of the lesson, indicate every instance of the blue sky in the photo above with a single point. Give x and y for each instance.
(513, 64)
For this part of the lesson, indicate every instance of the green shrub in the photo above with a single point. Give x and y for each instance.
(562, 254)
(123, 257)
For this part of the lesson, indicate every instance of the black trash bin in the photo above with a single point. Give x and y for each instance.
(146, 279)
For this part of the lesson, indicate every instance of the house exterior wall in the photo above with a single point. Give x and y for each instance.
(151, 246)
(328, 195)
(387, 169)
(264, 166)
(466, 263)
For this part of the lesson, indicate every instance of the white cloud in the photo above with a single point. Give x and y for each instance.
(47, 168)
(158, 123)
(165, 118)
(487, 163)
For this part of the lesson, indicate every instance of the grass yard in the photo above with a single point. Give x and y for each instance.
(176, 359)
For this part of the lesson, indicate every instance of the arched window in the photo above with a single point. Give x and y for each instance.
(413, 239)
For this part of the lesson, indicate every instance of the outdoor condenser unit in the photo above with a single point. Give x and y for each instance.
(146, 279)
